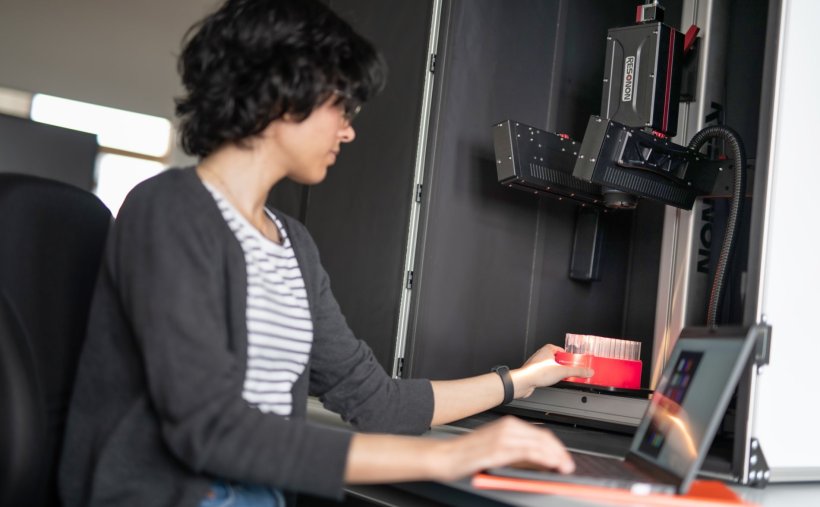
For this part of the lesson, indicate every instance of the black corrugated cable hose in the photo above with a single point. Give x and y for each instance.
(735, 151)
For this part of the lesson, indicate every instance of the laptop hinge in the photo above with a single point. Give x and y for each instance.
(659, 474)
(759, 472)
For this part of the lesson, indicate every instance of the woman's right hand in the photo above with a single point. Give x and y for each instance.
(503, 442)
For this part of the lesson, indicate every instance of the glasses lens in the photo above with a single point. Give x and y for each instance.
(350, 104)
(351, 111)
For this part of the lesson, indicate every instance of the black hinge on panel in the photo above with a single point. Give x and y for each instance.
(400, 369)
(759, 472)
(764, 340)
(409, 284)
(418, 193)
(432, 63)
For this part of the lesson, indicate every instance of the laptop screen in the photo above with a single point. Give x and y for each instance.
(690, 400)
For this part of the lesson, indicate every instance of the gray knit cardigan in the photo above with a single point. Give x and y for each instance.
(157, 411)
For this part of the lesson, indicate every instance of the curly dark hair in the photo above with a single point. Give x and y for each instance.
(253, 61)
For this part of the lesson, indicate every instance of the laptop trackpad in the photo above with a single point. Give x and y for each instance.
(592, 470)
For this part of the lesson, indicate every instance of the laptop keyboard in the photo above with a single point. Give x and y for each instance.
(597, 466)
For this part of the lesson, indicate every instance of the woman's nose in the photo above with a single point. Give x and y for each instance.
(347, 133)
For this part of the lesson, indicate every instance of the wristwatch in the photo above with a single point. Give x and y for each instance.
(509, 390)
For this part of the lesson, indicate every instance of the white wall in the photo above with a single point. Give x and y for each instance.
(786, 419)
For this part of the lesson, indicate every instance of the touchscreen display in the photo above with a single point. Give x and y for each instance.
(668, 417)
(686, 402)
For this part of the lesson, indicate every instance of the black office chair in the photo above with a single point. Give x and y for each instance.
(51, 241)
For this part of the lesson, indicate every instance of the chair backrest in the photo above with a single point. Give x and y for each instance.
(51, 241)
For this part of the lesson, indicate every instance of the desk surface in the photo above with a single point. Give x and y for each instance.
(461, 493)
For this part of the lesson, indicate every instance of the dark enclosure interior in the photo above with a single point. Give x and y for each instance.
(493, 282)
(491, 276)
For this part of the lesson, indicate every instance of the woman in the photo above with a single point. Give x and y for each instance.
(213, 319)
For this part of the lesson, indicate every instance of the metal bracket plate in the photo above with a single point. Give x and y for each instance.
(759, 472)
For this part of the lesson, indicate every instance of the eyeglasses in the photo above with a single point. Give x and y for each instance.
(351, 112)
(352, 107)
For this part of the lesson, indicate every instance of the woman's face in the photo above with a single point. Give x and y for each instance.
(311, 146)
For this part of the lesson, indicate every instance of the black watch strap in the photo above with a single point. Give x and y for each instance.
(509, 390)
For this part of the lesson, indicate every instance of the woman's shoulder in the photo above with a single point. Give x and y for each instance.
(173, 200)
(170, 210)
(177, 189)
(173, 182)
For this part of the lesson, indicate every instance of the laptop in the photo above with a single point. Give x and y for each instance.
(680, 422)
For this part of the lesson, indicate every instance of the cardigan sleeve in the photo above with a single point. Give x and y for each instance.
(345, 374)
(170, 269)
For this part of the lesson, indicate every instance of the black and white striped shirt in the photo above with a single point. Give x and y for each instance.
(280, 329)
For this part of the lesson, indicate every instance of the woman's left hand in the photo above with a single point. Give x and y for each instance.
(542, 370)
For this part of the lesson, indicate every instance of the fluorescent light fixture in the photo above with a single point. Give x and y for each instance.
(15, 102)
(115, 128)
(117, 175)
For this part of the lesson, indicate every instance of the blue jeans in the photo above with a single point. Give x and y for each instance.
(225, 494)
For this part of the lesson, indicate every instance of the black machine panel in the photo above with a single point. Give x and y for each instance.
(539, 161)
(642, 76)
(625, 151)
(643, 164)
